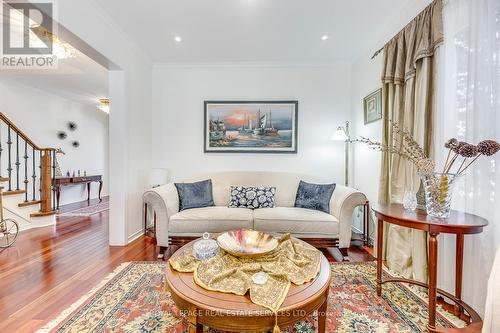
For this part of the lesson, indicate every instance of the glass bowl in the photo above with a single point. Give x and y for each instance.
(247, 243)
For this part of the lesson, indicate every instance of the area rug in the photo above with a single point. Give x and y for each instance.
(88, 211)
(132, 299)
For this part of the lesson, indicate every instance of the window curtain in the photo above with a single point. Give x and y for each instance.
(408, 78)
(469, 110)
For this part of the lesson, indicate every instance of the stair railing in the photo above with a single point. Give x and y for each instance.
(18, 166)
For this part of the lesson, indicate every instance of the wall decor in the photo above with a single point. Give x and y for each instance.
(75, 144)
(250, 126)
(62, 135)
(372, 105)
(72, 126)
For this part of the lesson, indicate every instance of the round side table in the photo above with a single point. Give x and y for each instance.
(460, 224)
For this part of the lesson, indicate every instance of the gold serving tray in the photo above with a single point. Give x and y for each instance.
(247, 243)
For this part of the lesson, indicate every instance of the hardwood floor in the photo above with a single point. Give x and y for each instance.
(49, 268)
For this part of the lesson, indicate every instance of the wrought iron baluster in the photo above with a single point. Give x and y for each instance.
(40, 168)
(26, 171)
(1, 149)
(9, 164)
(34, 175)
(52, 180)
(17, 164)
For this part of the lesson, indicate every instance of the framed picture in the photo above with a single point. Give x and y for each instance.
(250, 126)
(373, 106)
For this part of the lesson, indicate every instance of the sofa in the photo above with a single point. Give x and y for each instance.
(321, 229)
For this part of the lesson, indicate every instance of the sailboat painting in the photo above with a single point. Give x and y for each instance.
(251, 127)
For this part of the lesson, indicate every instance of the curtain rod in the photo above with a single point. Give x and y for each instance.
(377, 52)
(429, 5)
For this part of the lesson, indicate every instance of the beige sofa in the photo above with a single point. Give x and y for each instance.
(321, 229)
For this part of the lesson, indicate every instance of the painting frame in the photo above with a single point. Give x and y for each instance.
(372, 100)
(207, 148)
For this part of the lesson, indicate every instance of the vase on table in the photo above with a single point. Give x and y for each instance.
(409, 200)
(438, 189)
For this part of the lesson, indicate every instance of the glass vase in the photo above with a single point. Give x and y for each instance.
(409, 200)
(438, 192)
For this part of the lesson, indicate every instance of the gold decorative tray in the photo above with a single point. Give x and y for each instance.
(247, 243)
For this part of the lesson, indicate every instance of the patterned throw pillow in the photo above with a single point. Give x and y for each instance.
(252, 197)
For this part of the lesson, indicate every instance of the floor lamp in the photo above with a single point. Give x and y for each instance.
(342, 134)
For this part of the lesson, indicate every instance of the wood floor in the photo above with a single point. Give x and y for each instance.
(50, 268)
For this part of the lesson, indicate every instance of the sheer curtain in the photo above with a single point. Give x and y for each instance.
(469, 106)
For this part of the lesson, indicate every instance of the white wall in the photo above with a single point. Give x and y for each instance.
(366, 78)
(179, 92)
(130, 113)
(41, 115)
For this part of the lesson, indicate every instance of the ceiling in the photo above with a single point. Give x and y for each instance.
(253, 30)
(79, 79)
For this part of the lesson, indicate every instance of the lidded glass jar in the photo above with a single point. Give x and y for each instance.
(205, 248)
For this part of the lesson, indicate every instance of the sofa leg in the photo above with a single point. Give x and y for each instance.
(161, 252)
(345, 254)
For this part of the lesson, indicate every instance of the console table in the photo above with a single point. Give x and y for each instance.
(69, 181)
(458, 223)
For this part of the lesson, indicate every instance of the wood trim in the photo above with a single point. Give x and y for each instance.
(46, 174)
(29, 203)
(39, 214)
(4, 179)
(6, 193)
(21, 133)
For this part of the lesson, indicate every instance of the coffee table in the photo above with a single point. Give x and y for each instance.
(236, 313)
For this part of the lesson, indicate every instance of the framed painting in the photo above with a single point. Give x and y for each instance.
(250, 127)
(372, 105)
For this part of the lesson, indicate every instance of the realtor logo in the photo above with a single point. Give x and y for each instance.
(26, 35)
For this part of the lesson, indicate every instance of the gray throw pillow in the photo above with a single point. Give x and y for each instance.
(252, 197)
(195, 195)
(314, 196)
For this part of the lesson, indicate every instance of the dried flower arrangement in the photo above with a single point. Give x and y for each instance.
(437, 185)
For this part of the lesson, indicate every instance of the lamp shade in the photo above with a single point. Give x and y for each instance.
(340, 135)
(158, 176)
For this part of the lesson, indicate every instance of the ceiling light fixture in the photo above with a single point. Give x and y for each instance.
(178, 39)
(324, 37)
(103, 105)
(60, 48)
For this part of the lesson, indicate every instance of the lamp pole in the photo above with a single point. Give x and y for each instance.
(347, 141)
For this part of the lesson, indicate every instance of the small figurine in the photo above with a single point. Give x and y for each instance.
(67, 173)
(74, 173)
(78, 172)
(85, 173)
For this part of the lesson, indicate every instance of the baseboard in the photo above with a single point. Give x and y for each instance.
(135, 235)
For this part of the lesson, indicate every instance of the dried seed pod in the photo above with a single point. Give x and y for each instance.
(452, 143)
(458, 146)
(468, 150)
(426, 166)
(488, 147)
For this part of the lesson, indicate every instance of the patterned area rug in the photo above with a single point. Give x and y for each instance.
(88, 211)
(132, 300)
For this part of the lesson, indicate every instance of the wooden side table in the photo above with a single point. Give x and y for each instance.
(59, 182)
(458, 223)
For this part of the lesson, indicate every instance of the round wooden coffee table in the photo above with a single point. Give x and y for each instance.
(236, 313)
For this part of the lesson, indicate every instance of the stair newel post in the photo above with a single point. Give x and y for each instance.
(1, 149)
(40, 172)
(25, 171)
(34, 174)
(9, 161)
(46, 181)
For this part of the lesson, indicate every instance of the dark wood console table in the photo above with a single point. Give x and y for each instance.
(458, 223)
(69, 181)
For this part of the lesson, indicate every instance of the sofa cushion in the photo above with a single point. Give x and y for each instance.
(210, 219)
(298, 221)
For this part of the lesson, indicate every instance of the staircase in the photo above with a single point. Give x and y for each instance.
(26, 176)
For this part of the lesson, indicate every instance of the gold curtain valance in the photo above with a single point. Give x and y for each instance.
(417, 40)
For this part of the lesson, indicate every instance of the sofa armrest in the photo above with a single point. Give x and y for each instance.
(164, 200)
(344, 200)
